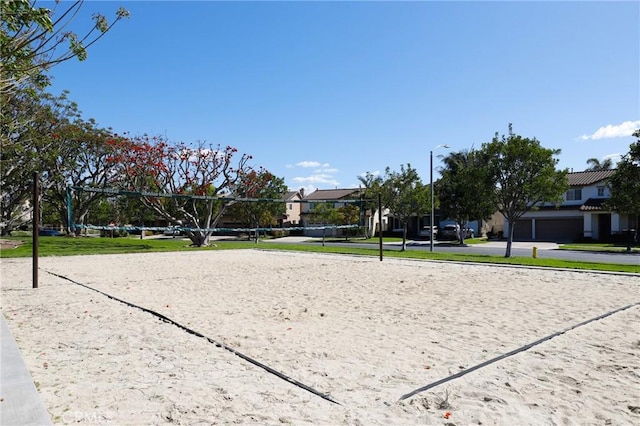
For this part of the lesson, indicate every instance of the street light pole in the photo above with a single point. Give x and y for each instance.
(432, 207)
(432, 204)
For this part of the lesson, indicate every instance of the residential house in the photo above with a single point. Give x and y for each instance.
(336, 198)
(291, 216)
(580, 215)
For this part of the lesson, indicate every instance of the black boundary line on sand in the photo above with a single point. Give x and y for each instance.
(209, 339)
(513, 352)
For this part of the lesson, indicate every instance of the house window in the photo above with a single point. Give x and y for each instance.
(574, 195)
(601, 191)
(290, 206)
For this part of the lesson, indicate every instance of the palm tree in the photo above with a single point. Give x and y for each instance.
(372, 183)
(595, 164)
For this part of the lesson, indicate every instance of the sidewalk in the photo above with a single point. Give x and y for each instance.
(491, 244)
(20, 403)
(522, 244)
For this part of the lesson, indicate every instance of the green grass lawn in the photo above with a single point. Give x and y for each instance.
(600, 247)
(62, 246)
(385, 240)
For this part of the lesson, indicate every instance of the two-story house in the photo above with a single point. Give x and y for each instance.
(290, 218)
(291, 215)
(580, 215)
(335, 197)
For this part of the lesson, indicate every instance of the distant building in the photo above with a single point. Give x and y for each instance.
(336, 198)
(291, 216)
(580, 215)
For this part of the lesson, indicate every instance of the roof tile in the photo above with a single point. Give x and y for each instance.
(588, 177)
(333, 194)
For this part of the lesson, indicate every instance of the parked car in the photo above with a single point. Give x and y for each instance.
(172, 231)
(452, 231)
(428, 231)
(469, 233)
(449, 232)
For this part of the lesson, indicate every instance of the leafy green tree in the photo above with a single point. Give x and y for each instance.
(596, 165)
(625, 185)
(33, 39)
(325, 213)
(465, 190)
(45, 134)
(78, 158)
(525, 175)
(328, 214)
(259, 184)
(24, 122)
(405, 196)
(349, 214)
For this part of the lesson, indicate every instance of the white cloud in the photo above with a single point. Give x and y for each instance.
(615, 158)
(308, 164)
(613, 131)
(316, 179)
(322, 176)
(376, 173)
(326, 170)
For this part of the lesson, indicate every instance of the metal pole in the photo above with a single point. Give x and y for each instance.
(432, 208)
(36, 227)
(380, 223)
(69, 212)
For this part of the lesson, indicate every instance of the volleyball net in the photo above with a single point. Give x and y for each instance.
(113, 192)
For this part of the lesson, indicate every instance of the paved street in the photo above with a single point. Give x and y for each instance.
(495, 248)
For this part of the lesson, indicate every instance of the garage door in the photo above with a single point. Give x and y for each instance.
(522, 231)
(559, 230)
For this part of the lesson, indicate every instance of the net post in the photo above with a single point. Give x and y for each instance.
(380, 223)
(36, 228)
(69, 211)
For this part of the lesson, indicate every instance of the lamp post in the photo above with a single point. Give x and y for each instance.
(431, 186)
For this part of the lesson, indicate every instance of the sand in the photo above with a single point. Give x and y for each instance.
(362, 331)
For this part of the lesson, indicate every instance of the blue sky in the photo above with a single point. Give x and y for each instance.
(321, 92)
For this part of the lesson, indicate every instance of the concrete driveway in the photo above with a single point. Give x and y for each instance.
(521, 245)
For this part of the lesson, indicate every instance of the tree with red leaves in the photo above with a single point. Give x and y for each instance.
(155, 165)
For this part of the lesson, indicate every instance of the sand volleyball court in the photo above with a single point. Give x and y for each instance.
(360, 331)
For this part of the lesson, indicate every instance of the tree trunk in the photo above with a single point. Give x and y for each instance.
(257, 231)
(198, 238)
(512, 226)
(404, 237)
